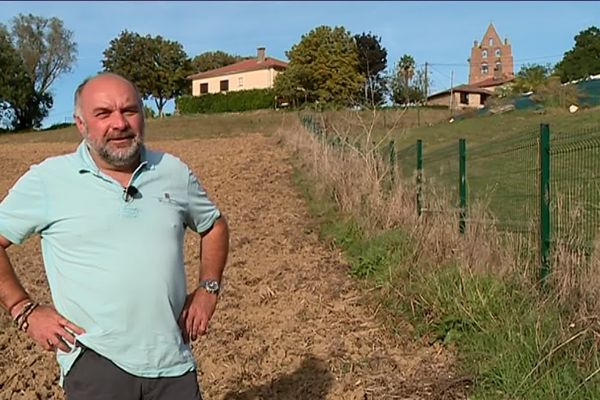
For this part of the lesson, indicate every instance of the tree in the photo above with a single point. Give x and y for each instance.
(408, 84)
(530, 77)
(404, 74)
(213, 60)
(323, 67)
(583, 59)
(372, 61)
(12, 77)
(46, 47)
(158, 67)
(34, 54)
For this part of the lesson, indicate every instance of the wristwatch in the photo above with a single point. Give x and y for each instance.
(212, 286)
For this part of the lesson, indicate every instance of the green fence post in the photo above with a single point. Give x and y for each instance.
(545, 238)
(419, 177)
(462, 183)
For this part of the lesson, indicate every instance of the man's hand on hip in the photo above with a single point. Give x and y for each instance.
(51, 330)
(197, 311)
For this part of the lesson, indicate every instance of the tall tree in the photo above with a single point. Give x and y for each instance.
(583, 59)
(46, 50)
(323, 66)
(157, 66)
(407, 83)
(46, 47)
(14, 82)
(372, 61)
(213, 60)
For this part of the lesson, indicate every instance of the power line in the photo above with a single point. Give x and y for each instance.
(438, 71)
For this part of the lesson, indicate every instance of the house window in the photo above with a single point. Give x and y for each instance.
(224, 85)
(484, 69)
(491, 42)
(204, 88)
(464, 98)
(241, 81)
(497, 52)
(484, 54)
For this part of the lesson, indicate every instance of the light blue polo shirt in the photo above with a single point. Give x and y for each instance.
(114, 267)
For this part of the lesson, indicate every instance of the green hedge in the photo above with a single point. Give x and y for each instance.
(243, 100)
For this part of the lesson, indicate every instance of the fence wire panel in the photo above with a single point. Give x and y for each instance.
(575, 186)
(407, 162)
(441, 178)
(502, 178)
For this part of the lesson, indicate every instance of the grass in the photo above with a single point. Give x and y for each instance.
(512, 344)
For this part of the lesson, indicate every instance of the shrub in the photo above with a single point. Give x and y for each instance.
(243, 100)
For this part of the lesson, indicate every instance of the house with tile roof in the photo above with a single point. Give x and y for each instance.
(490, 68)
(254, 73)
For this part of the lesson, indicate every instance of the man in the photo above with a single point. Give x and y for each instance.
(112, 218)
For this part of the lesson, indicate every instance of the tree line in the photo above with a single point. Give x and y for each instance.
(328, 66)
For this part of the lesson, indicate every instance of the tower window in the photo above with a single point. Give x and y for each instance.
(497, 52)
(491, 42)
(484, 54)
(484, 69)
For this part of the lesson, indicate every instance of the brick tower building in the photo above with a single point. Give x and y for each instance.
(491, 59)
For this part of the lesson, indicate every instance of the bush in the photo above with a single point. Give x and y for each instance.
(243, 100)
(554, 94)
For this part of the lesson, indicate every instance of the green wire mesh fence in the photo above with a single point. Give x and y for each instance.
(504, 178)
(575, 186)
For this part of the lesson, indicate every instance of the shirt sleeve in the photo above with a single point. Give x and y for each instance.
(202, 213)
(24, 209)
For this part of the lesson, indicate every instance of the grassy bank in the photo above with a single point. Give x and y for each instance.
(475, 293)
(512, 343)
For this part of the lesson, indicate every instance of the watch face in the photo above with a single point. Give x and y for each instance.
(211, 286)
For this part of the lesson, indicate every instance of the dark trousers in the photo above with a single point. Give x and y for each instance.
(94, 377)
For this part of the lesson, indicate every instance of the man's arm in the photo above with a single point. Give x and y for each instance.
(12, 293)
(214, 249)
(45, 325)
(200, 305)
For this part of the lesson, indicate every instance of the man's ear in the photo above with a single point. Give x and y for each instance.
(80, 123)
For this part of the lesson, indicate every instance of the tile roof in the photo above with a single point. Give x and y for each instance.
(242, 66)
(493, 81)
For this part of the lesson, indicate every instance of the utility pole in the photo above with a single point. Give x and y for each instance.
(451, 92)
(426, 84)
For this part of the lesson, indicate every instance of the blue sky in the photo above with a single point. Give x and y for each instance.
(440, 33)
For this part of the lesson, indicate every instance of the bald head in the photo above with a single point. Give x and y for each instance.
(101, 77)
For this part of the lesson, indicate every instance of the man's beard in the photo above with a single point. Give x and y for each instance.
(117, 157)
